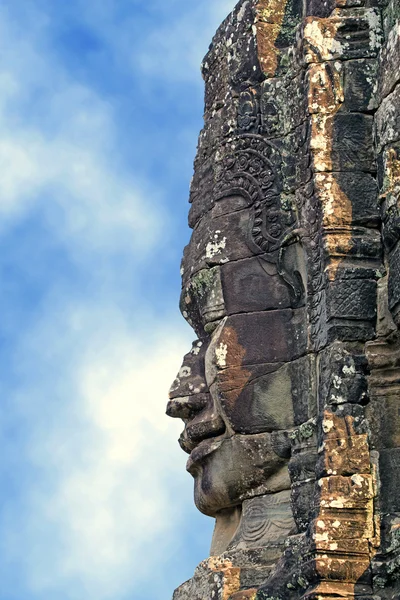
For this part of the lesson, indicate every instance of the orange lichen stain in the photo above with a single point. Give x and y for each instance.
(231, 575)
(325, 87)
(325, 98)
(336, 207)
(269, 20)
(392, 174)
(235, 352)
(319, 39)
(234, 377)
(345, 531)
(245, 595)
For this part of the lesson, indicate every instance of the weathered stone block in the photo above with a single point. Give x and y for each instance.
(389, 71)
(282, 105)
(343, 142)
(389, 472)
(264, 405)
(268, 397)
(358, 242)
(258, 338)
(319, 8)
(352, 492)
(303, 504)
(352, 300)
(359, 85)
(387, 120)
(249, 287)
(345, 456)
(217, 241)
(349, 523)
(191, 377)
(325, 87)
(394, 279)
(202, 300)
(357, 35)
(347, 199)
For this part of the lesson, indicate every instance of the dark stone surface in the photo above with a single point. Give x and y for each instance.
(352, 299)
(389, 468)
(359, 81)
(249, 287)
(353, 143)
(264, 337)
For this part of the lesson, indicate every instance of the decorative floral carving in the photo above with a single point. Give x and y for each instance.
(252, 169)
(247, 112)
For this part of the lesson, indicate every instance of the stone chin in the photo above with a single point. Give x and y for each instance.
(235, 469)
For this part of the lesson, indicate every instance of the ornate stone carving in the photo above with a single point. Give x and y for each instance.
(291, 280)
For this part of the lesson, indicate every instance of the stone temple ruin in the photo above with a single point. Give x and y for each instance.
(290, 397)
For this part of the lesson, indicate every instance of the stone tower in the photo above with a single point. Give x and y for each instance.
(290, 396)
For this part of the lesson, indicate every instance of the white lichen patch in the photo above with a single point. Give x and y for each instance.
(338, 503)
(323, 40)
(374, 22)
(215, 246)
(220, 355)
(242, 12)
(349, 370)
(184, 372)
(196, 348)
(327, 425)
(337, 381)
(333, 546)
(338, 399)
(357, 479)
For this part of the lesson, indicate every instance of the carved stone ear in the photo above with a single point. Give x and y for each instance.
(291, 266)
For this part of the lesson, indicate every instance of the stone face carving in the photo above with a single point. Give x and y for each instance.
(290, 396)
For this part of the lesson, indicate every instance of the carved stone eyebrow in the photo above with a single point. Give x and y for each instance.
(202, 301)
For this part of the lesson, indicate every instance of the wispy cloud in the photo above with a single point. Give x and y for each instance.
(96, 498)
(102, 510)
(65, 159)
(175, 41)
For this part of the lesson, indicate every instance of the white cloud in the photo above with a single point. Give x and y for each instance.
(109, 489)
(63, 161)
(175, 48)
(103, 512)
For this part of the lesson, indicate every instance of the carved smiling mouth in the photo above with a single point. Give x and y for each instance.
(200, 431)
(203, 434)
(201, 451)
(204, 427)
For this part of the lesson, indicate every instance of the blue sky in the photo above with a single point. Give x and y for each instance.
(100, 108)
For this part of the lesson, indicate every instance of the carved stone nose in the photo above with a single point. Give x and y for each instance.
(190, 384)
(186, 407)
(201, 419)
(191, 401)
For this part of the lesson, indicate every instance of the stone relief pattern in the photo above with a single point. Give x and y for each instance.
(286, 174)
(383, 353)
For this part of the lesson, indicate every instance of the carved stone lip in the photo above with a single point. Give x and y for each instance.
(202, 450)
